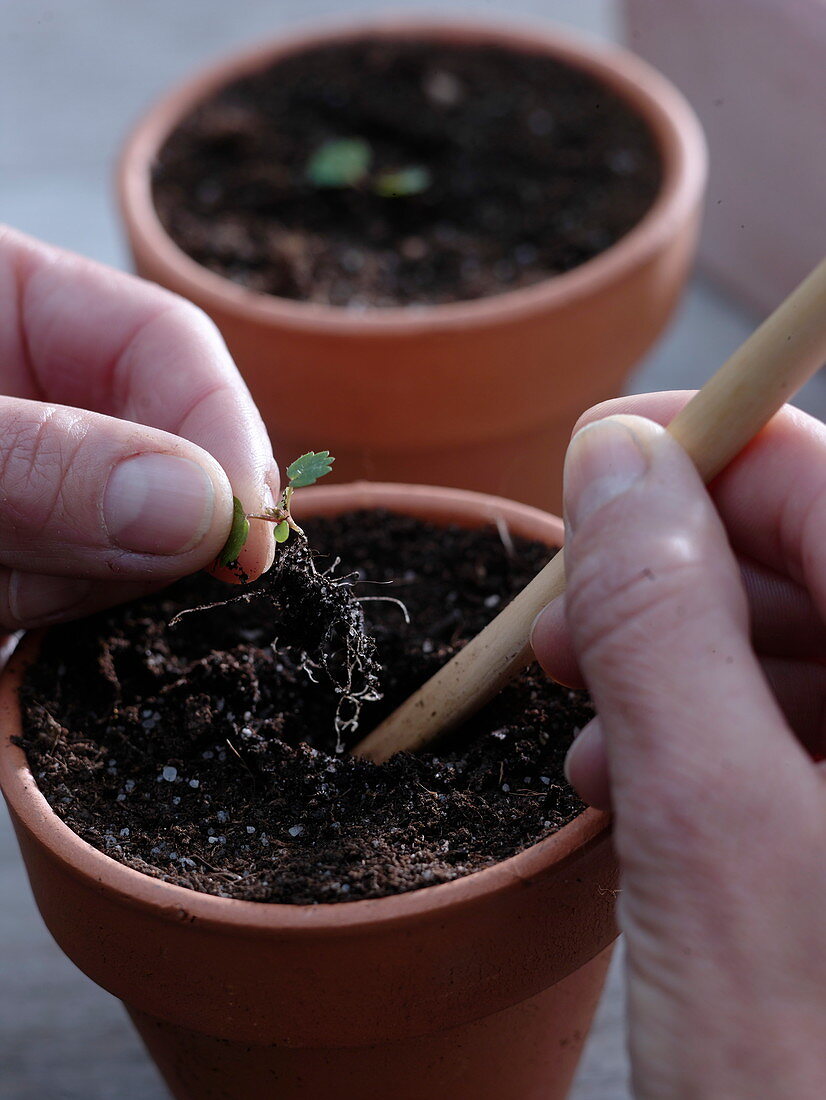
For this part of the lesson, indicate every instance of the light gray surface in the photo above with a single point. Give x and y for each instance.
(73, 75)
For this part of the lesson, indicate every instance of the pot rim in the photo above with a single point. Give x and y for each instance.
(668, 114)
(30, 806)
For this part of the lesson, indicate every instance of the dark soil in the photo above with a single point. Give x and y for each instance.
(206, 756)
(534, 168)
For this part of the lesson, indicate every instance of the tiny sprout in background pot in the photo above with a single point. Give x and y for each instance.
(306, 470)
(344, 163)
(407, 181)
(347, 163)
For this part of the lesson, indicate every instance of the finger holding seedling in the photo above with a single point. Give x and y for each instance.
(306, 470)
(125, 433)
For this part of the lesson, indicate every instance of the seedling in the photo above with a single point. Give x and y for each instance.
(317, 612)
(306, 470)
(407, 181)
(344, 163)
(347, 163)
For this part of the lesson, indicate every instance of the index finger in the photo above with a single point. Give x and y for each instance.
(77, 333)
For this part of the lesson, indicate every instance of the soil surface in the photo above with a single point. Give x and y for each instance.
(205, 755)
(530, 168)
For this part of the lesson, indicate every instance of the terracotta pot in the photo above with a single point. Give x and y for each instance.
(478, 989)
(480, 394)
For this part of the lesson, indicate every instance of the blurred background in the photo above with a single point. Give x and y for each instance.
(76, 74)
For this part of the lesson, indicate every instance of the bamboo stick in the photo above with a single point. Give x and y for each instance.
(718, 422)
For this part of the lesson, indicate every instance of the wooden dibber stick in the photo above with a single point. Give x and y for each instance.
(718, 422)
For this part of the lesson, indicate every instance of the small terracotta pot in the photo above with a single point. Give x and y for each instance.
(480, 394)
(478, 989)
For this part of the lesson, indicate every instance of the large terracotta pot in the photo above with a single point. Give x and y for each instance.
(478, 989)
(479, 394)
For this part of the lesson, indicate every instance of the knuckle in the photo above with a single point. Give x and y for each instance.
(615, 600)
(31, 456)
(37, 455)
(678, 828)
(673, 817)
(185, 317)
(172, 326)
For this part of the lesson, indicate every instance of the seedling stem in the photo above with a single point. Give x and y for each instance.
(306, 470)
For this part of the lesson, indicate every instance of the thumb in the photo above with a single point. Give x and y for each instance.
(87, 495)
(659, 623)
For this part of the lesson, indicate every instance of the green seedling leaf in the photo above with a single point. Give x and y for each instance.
(343, 163)
(282, 531)
(307, 469)
(237, 535)
(407, 181)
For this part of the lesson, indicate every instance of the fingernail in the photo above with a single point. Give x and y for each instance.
(158, 504)
(268, 497)
(269, 503)
(272, 482)
(603, 461)
(34, 600)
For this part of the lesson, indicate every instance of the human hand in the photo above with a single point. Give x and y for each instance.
(125, 429)
(696, 620)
